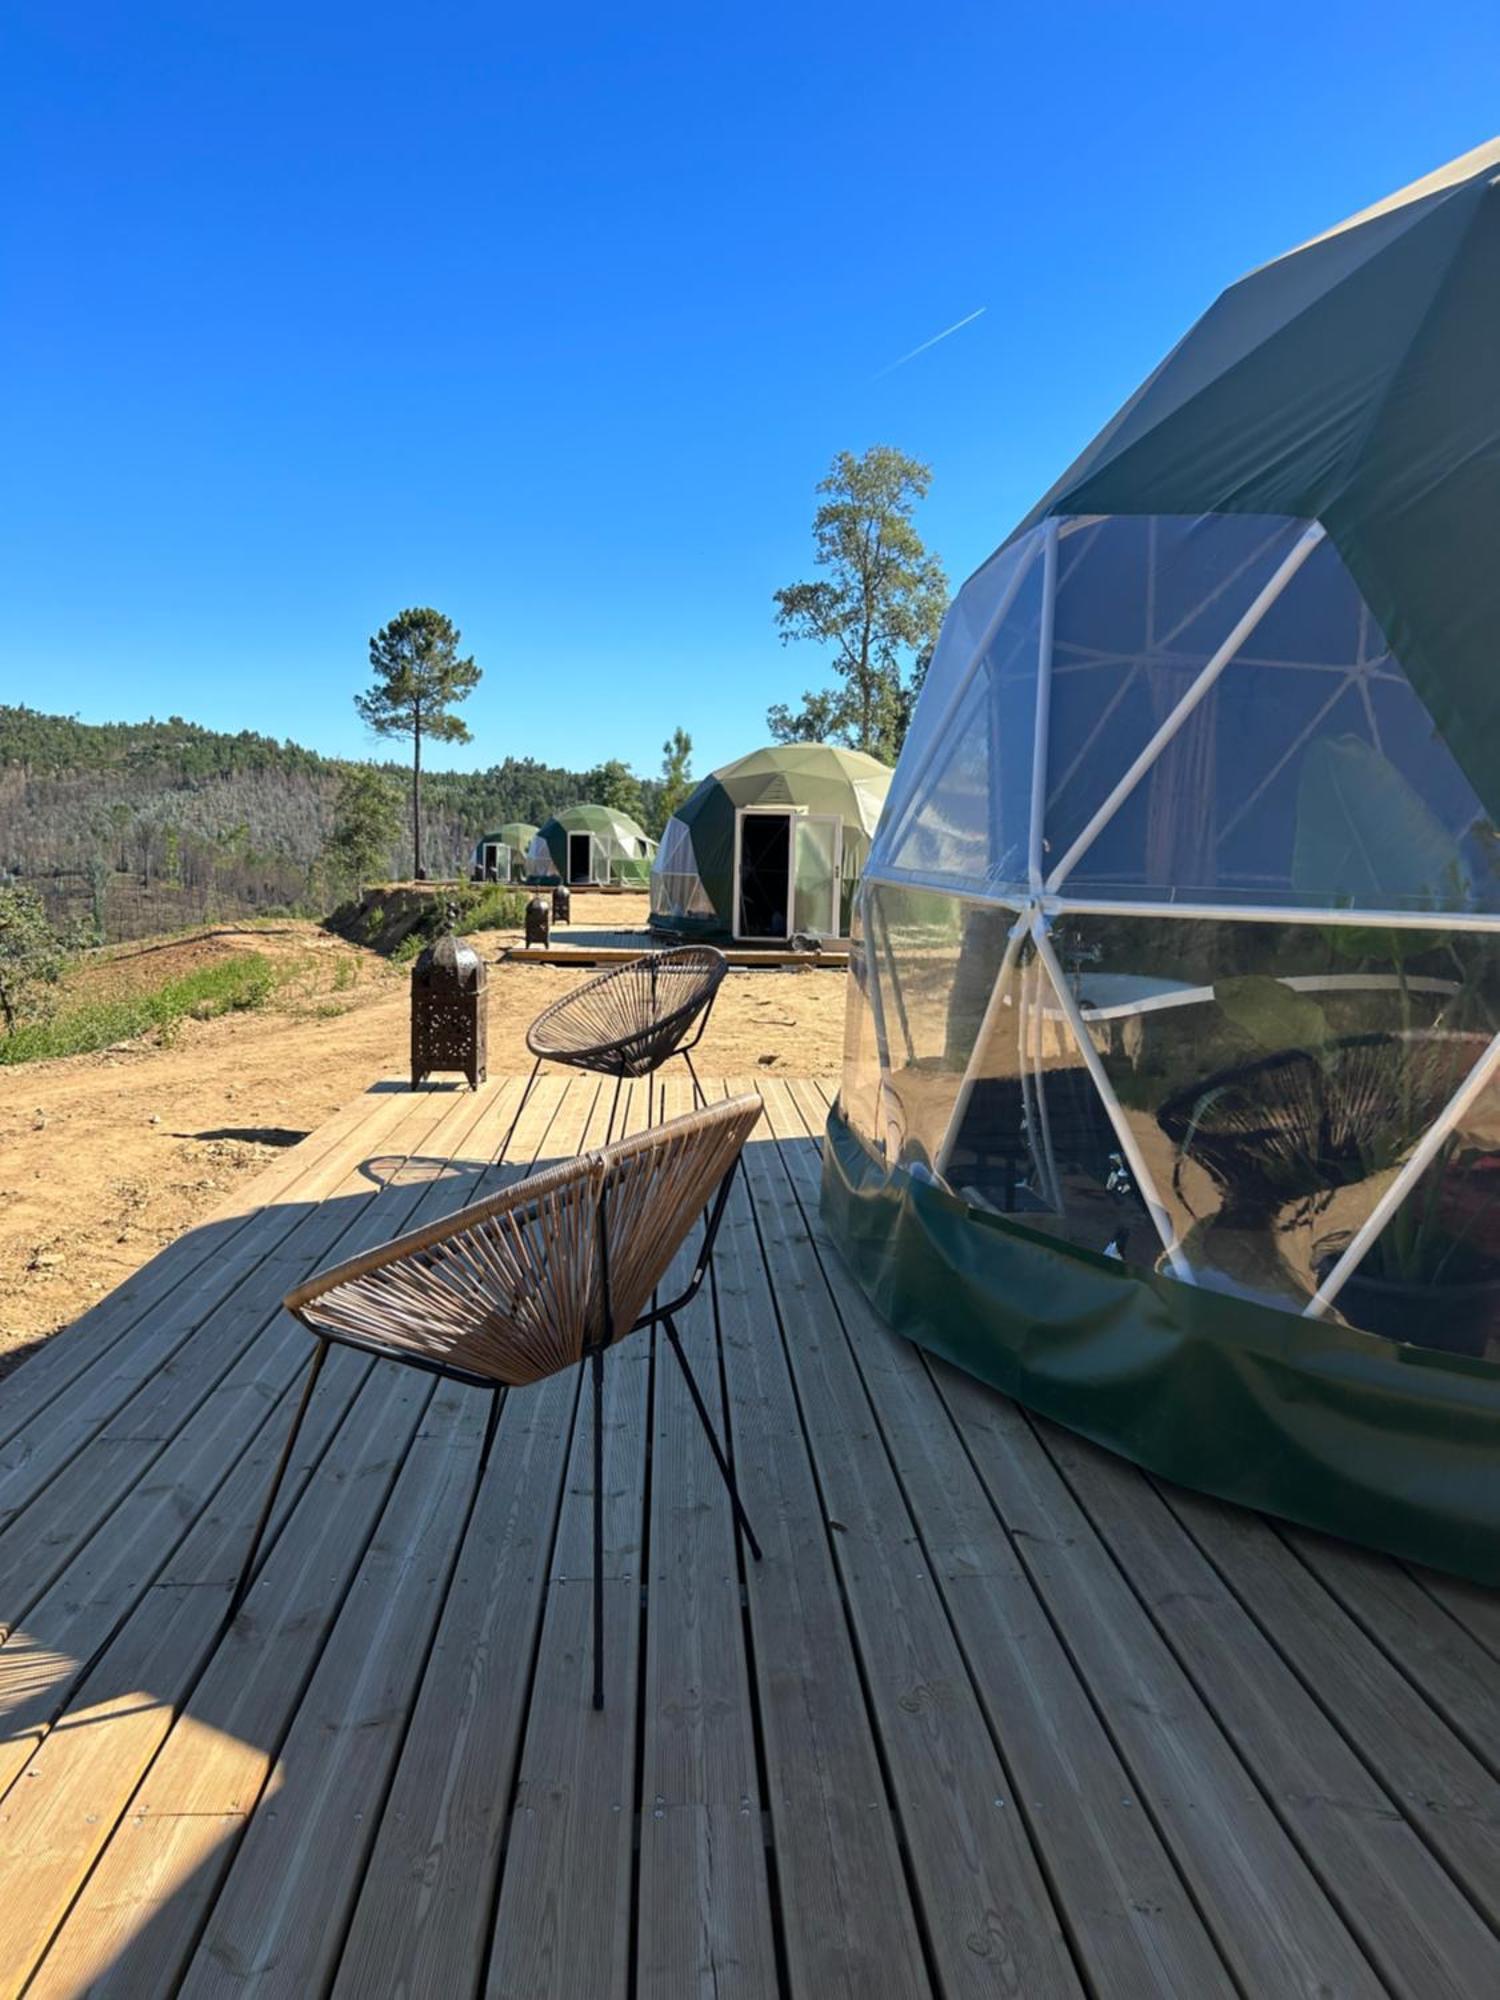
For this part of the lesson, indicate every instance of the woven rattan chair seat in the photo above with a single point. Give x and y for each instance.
(629, 1020)
(509, 1289)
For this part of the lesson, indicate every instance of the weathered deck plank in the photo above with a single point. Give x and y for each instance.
(1233, 1757)
(426, 1906)
(988, 1912)
(703, 1909)
(845, 1903)
(65, 1802)
(176, 1840)
(1312, 1708)
(1132, 1922)
(564, 1921)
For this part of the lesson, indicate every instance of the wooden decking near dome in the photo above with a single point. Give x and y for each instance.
(996, 1714)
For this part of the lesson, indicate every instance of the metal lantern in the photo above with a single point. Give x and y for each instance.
(448, 1021)
(538, 921)
(562, 904)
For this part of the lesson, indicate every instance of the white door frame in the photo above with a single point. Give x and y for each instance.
(593, 875)
(792, 814)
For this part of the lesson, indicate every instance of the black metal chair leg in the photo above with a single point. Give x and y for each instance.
(614, 1105)
(504, 1153)
(598, 1527)
(698, 1096)
(489, 1430)
(320, 1355)
(712, 1436)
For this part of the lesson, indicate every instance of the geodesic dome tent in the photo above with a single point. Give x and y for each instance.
(504, 851)
(1170, 1100)
(770, 845)
(590, 844)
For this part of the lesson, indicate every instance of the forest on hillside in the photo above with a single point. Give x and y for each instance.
(128, 828)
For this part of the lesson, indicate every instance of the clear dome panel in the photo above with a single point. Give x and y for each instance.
(1310, 773)
(967, 819)
(1276, 1077)
(676, 887)
(930, 964)
(980, 1081)
(539, 862)
(860, 1083)
(966, 625)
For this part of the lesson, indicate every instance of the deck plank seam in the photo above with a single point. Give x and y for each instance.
(236, 1838)
(1474, 1741)
(781, 1957)
(1425, 1580)
(931, 1959)
(1416, 1824)
(85, 1667)
(1067, 1923)
(432, 1385)
(297, 1483)
(265, 1326)
(1040, 1603)
(179, 1709)
(377, 1814)
(237, 1350)
(1327, 1888)
(1325, 1882)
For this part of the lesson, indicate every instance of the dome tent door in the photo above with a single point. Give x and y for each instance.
(585, 863)
(787, 866)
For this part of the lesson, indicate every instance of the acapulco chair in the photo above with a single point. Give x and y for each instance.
(631, 1019)
(543, 1276)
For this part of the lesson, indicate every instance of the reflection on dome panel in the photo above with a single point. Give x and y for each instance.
(1310, 772)
(1277, 1077)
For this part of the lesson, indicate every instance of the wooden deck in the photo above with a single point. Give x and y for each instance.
(996, 1715)
(582, 945)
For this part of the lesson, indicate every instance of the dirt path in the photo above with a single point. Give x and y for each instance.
(105, 1158)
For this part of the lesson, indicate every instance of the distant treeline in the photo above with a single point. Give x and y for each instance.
(132, 827)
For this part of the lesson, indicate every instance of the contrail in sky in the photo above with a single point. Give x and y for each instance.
(966, 321)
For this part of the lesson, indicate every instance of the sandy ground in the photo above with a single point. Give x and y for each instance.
(105, 1158)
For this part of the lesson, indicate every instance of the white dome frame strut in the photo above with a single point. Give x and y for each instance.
(1047, 900)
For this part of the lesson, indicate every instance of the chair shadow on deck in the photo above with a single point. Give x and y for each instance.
(117, 1565)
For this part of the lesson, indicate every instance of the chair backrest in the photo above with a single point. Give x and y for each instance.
(648, 1005)
(510, 1288)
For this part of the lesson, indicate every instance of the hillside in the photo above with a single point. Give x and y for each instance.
(135, 827)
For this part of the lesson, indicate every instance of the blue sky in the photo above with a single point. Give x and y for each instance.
(553, 318)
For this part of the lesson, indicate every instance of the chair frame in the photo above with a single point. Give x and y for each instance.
(592, 1358)
(596, 1057)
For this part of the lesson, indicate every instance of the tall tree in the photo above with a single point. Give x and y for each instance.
(613, 783)
(880, 601)
(366, 817)
(676, 777)
(419, 678)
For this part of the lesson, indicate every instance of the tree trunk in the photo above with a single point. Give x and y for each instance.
(416, 798)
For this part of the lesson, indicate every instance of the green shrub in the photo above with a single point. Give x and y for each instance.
(491, 909)
(248, 979)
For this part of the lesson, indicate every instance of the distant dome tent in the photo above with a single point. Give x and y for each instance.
(770, 846)
(502, 854)
(590, 844)
(1171, 1098)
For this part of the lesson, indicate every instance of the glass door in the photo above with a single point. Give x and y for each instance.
(817, 852)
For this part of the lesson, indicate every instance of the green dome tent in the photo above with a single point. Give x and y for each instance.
(590, 844)
(516, 836)
(770, 845)
(1171, 1100)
